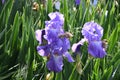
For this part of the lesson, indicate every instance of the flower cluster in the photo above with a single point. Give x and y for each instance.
(53, 43)
(92, 33)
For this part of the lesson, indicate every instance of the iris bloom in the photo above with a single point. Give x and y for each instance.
(51, 44)
(92, 33)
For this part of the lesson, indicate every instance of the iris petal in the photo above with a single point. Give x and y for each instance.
(96, 50)
(55, 63)
(65, 44)
(92, 31)
(76, 46)
(43, 50)
(69, 57)
(39, 35)
(51, 35)
(56, 16)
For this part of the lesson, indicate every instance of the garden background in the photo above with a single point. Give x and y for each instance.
(19, 19)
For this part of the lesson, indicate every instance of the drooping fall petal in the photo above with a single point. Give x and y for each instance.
(96, 50)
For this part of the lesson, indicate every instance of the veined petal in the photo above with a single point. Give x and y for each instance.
(55, 63)
(68, 56)
(96, 50)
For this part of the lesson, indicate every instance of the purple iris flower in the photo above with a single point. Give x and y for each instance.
(92, 33)
(77, 2)
(51, 44)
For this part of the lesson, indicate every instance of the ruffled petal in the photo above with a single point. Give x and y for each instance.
(92, 31)
(55, 63)
(56, 16)
(51, 35)
(96, 50)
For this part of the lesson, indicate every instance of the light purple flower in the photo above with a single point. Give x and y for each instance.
(56, 47)
(54, 27)
(92, 33)
(77, 2)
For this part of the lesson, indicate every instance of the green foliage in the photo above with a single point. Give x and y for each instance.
(19, 59)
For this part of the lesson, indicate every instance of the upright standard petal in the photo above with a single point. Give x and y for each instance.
(92, 31)
(51, 35)
(56, 16)
(55, 63)
(96, 50)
